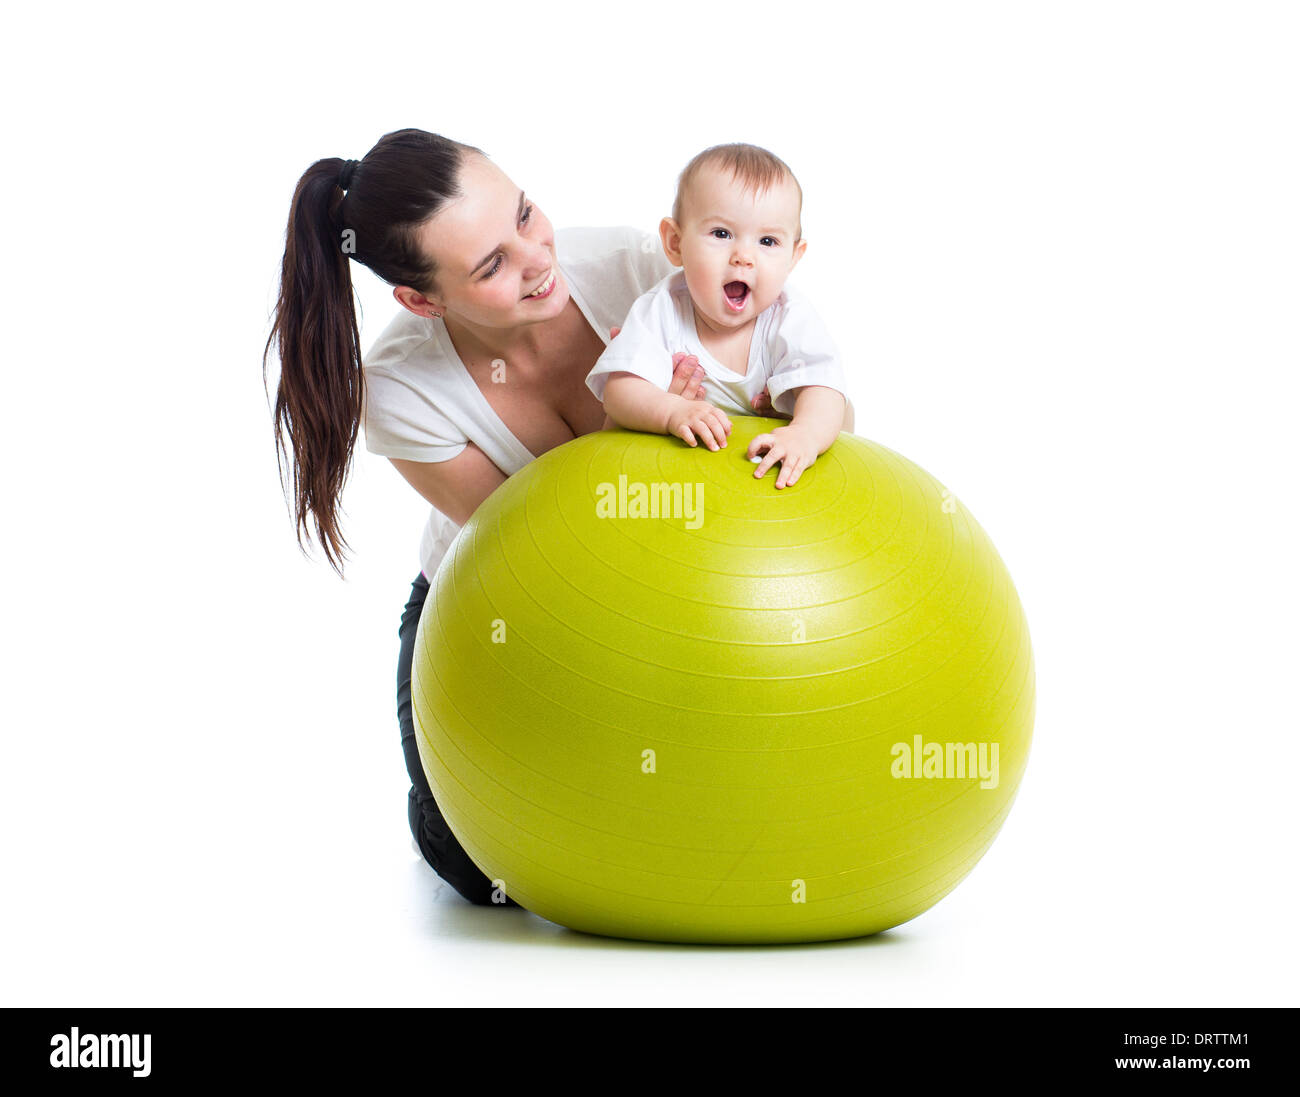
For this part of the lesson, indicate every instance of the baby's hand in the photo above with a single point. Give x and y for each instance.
(689, 418)
(793, 446)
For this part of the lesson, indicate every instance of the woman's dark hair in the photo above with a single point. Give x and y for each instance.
(399, 184)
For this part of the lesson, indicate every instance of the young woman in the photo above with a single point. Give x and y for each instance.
(483, 370)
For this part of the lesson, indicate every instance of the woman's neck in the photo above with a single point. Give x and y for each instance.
(525, 342)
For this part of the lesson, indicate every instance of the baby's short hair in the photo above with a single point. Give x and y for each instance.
(753, 167)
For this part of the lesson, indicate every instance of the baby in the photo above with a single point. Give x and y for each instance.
(735, 232)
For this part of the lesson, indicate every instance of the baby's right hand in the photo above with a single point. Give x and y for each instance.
(689, 418)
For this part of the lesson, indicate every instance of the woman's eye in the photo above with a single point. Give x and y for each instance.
(524, 218)
(721, 234)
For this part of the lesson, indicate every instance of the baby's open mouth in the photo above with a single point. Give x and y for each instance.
(737, 295)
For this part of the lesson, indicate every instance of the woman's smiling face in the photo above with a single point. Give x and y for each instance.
(495, 253)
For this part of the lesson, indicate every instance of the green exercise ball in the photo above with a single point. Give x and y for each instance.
(657, 698)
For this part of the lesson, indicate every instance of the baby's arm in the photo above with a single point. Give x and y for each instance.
(807, 383)
(638, 404)
(688, 379)
(818, 418)
(762, 405)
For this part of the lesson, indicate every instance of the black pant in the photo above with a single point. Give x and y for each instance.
(430, 830)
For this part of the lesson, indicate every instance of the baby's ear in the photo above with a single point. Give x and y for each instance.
(799, 249)
(671, 236)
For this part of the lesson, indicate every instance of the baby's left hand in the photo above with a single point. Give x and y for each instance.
(793, 446)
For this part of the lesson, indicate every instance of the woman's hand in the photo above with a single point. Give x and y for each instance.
(688, 377)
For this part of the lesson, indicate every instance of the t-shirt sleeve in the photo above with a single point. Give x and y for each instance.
(402, 422)
(643, 347)
(803, 354)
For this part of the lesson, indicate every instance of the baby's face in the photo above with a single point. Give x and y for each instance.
(737, 247)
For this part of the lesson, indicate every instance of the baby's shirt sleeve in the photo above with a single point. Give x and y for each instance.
(802, 353)
(645, 344)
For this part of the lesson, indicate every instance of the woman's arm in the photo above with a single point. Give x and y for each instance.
(455, 487)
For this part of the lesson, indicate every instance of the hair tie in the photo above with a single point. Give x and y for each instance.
(346, 173)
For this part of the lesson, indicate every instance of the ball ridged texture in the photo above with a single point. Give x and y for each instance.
(718, 724)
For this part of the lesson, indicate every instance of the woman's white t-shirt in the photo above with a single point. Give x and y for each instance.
(421, 404)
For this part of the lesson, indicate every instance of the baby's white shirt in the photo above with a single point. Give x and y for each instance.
(789, 348)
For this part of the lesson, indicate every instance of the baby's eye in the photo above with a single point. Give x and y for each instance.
(720, 234)
(770, 242)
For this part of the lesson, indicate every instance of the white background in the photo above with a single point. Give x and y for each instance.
(1059, 246)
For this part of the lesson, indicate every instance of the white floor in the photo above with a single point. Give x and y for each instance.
(1059, 912)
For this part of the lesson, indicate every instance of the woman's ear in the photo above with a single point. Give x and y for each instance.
(414, 301)
(671, 237)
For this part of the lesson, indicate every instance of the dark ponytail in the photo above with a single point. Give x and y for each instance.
(399, 184)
